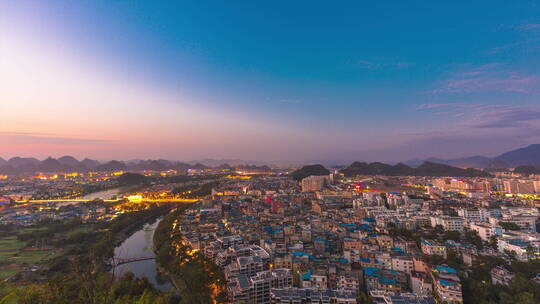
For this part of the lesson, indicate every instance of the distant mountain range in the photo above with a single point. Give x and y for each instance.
(529, 155)
(425, 169)
(527, 170)
(18, 165)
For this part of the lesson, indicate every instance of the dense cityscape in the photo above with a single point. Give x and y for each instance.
(262, 234)
(269, 152)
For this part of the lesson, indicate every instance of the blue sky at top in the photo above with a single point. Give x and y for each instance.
(351, 79)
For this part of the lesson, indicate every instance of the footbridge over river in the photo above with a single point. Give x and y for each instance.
(117, 261)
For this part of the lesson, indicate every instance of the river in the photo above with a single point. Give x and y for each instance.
(105, 194)
(140, 244)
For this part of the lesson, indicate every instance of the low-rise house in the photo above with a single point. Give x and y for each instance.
(501, 275)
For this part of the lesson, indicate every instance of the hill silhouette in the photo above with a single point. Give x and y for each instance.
(425, 169)
(306, 171)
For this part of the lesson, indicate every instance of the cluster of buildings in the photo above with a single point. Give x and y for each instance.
(481, 187)
(29, 215)
(322, 241)
(50, 186)
(332, 240)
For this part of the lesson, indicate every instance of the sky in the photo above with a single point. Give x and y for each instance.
(268, 80)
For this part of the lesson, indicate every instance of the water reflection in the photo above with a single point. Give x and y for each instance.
(105, 194)
(140, 245)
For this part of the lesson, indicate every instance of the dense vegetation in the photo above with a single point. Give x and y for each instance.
(188, 191)
(81, 274)
(87, 287)
(509, 226)
(477, 287)
(198, 279)
(476, 279)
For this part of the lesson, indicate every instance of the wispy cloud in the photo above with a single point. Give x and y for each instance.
(509, 117)
(527, 42)
(477, 128)
(529, 26)
(41, 138)
(484, 116)
(488, 78)
(526, 45)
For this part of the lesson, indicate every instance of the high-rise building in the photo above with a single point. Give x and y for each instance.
(314, 183)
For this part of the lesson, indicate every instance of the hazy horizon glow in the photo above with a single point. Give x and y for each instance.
(279, 82)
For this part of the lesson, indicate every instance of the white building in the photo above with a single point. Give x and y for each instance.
(403, 263)
(486, 231)
(474, 214)
(450, 223)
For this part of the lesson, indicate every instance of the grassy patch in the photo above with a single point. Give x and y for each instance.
(33, 229)
(31, 257)
(11, 250)
(10, 243)
(6, 272)
(11, 298)
(78, 230)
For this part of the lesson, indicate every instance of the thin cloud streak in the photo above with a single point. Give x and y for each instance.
(483, 116)
(530, 26)
(510, 82)
(40, 139)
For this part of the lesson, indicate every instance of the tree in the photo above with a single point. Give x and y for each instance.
(509, 226)
(494, 242)
(363, 298)
(435, 259)
(472, 237)
(452, 235)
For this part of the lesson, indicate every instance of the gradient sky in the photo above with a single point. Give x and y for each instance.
(274, 80)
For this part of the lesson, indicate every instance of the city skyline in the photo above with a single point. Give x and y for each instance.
(279, 82)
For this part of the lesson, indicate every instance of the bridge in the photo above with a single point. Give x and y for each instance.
(78, 200)
(67, 200)
(118, 262)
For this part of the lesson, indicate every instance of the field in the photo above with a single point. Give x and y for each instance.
(77, 230)
(13, 255)
(10, 243)
(8, 272)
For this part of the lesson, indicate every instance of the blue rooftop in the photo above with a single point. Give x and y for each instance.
(447, 269)
(307, 275)
(446, 283)
(387, 281)
(371, 271)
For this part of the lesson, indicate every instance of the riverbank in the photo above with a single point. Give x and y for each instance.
(197, 279)
(140, 245)
(80, 274)
(129, 230)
